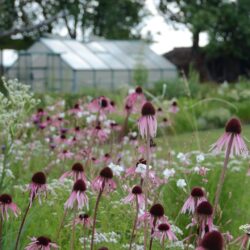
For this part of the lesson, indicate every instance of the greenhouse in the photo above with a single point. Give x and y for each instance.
(65, 65)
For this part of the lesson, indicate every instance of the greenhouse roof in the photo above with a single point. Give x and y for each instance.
(107, 55)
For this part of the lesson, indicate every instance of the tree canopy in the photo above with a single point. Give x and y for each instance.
(30, 19)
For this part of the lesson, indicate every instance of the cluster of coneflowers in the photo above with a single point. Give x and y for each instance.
(81, 143)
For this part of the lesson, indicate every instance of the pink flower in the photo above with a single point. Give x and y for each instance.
(100, 133)
(104, 181)
(155, 214)
(41, 243)
(147, 124)
(174, 107)
(78, 195)
(164, 231)
(7, 204)
(134, 98)
(196, 197)
(76, 110)
(38, 186)
(102, 104)
(84, 220)
(77, 172)
(212, 241)
(232, 135)
(135, 195)
(204, 213)
(65, 154)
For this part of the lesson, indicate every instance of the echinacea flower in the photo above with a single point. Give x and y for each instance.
(85, 220)
(164, 231)
(37, 186)
(231, 138)
(212, 241)
(7, 204)
(204, 213)
(147, 124)
(135, 195)
(136, 97)
(99, 132)
(196, 197)
(78, 195)
(104, 180)
(41, 243)
(76, 110)
(77, 172)
(155, 214)
(65, 154)
(101, 104)
(174, 107)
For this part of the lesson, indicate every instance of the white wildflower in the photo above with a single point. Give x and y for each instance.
(181, 183)
(169, 173)
(117, 169)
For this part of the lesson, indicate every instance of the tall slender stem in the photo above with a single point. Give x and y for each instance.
(22, 224)
(124, 127)
(61, 224)
(1, 232)
(84, 237)
(72, 245)
(152, 232)
(223, 173)
(134, 226)
(94, 218)
(146, 190)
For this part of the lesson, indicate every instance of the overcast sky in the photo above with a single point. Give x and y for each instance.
(165, 35)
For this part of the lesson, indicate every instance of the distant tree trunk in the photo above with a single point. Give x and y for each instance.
(1, 64)
(199, 60)
(196, 40)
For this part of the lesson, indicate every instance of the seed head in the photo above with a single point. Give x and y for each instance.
(106, 173)
(205, 208)
(39, 178)
(212, 241)
(197, 192)
(163, 227)
(157, 210)
(78, 167)
(83, 216)
(136, 190)
(104, 103)
(79, 186)
(43, 241)
(233, 126)
(138, 90)
(148, 109)
(5, 199)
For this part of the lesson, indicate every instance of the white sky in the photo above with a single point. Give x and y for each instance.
(165, 35)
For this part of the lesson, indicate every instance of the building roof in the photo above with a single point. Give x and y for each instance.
(106, 54)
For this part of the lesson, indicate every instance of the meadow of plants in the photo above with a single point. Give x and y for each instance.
(133, 170)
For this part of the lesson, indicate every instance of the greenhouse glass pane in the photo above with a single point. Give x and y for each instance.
(82, 51)
(73, 60)
(111, 61)
(118, 54)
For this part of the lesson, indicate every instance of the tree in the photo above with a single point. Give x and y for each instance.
(30, 19)
(229, 35)
(117, 19)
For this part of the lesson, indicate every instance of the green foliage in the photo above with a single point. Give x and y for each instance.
(117, 19)
(140, 75)
(229, 32)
